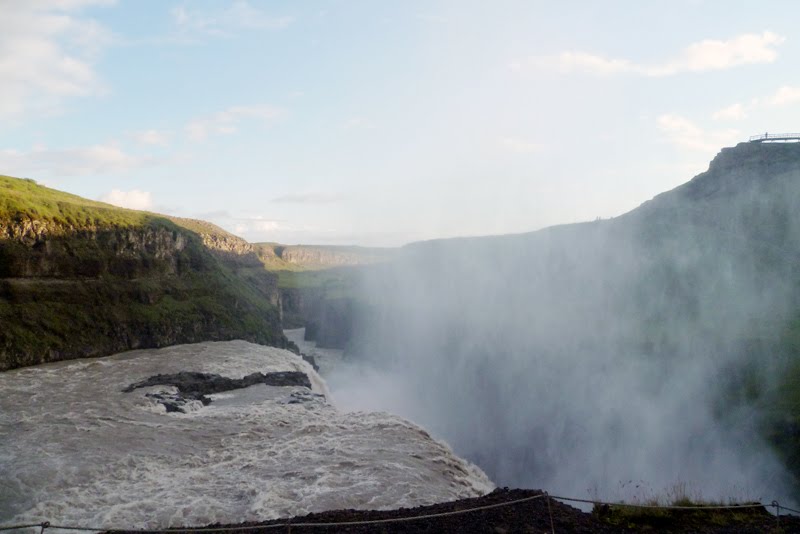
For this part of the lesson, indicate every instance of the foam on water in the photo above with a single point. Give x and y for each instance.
(76, 450)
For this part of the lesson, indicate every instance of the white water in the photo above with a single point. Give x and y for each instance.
(76, 450)
(355, 384)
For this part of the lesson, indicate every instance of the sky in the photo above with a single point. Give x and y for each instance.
(380, 123)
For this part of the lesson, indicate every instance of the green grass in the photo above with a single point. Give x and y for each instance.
(654, 512)
(334, 281)
(24, 199)
(687, 520)
(106, 279)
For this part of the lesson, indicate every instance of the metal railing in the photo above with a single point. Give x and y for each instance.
(775, 137)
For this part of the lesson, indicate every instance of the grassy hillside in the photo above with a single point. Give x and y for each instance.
(83, 278)
(25, 199)
(327, 269)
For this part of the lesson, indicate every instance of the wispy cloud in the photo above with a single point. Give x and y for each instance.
(226, 122)
(134, 199)
(47, 54)
(194, 23)
(734, 112)
(257, 226)
(92, 160)
(703, 56)
(785, 95)
(684, 133)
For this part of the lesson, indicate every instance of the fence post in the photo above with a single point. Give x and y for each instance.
(777, 506)
(550, 512)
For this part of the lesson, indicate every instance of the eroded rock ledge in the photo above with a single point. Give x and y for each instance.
(194, 386)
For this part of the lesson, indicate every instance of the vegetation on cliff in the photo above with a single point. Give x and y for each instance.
(83, 278)
(317, 285)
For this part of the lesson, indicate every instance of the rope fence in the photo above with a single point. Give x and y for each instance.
(289, 524)
(666, 507)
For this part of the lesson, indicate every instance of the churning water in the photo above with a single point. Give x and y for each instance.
(75, 449)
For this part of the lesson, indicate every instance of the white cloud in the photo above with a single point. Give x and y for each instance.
(734, 112)
(134, 199)
(251, 227)
(92, 160)
(254, 226)
(703, 56)
(152, 137)
(520, 146)
(682, 132)
(749, 48)
(784, 96)
(240, 15)
(226, 122)
(47, 51)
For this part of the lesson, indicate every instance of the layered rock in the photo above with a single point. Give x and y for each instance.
(80, 278)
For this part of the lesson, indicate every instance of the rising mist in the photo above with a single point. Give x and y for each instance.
(611, 359)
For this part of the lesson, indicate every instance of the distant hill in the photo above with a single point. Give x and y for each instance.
(316, 284)
(277, 257)
(83, 278)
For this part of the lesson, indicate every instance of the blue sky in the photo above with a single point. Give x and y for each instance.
(381, 123)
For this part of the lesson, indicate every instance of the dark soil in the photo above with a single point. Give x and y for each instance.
(540, 515)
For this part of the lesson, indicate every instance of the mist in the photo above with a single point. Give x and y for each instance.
(615, 359)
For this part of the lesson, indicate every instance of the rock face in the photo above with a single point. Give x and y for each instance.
(197, 385)
(315, 257)
(80, 278)
(193, 386)
(330, 322)
(296, 305)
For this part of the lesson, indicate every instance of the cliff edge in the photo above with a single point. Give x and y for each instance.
(80, 278)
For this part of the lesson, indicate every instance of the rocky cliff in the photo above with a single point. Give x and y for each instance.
(313, 257)
(81, 278)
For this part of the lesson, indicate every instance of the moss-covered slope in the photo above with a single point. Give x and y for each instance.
(82, 278)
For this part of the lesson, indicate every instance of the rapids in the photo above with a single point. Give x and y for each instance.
(76, 450)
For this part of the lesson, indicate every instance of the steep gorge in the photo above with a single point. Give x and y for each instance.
(659, 347)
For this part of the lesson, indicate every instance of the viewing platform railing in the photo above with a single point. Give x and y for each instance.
(768, 137)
